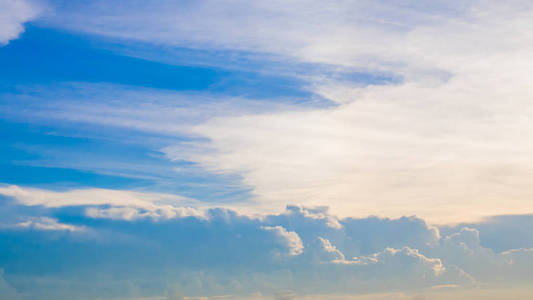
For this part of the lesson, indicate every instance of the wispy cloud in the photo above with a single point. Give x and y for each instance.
(452, 133)
(44, 223)
(114, 204)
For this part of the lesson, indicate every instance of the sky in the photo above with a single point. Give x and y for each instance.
(266, 150)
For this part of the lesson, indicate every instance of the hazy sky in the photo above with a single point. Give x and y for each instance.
(345, 149)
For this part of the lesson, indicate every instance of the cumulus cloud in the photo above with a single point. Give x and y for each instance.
(418, 269)
(320, 214)
(406, 255)
(331, 250)
(13, 15)
(219, 253)
(291, 239)
(501, 233)
(464, 249)
(226, 253)
(301, 236)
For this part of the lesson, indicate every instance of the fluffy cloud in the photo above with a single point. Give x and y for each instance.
(417, 269)
(332, 251)
(226, 253)
(501, 233)
(464, 249)
(290, 239)
(13, 15)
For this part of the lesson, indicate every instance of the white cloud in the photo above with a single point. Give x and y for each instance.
(320, 240)
(44, 223)
(418, 270)
(226, 253)
(290, 239)
(449, 142)
(126, 205)
(131, 213)
(454, 134)
(464, 249)
(13, 15)
(321, 214)
(335, 254)
(405, 256)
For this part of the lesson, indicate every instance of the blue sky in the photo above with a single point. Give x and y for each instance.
(265, 150)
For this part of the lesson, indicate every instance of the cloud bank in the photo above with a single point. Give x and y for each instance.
(304, 251)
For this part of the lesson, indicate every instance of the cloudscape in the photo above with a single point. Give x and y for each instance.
(297, 149)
